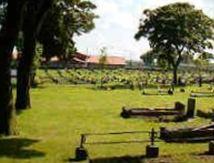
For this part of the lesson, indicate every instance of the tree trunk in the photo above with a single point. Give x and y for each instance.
(175, 81)
(8, 36)
(175, 65)
(24, 72)
(34, 17)
(7, 116)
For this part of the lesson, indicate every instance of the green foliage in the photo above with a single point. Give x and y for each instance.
(187, 59)
(161, 62)
(202, 61)
(177, 29)
(206, 56)
(103, 56)
(20, 42)
(148, 58)
(115, 79)
(155, 58)
(37, 57)
(66, 19)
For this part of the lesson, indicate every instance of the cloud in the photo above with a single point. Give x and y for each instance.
(113, 13)
(105, 7)
(118, 22)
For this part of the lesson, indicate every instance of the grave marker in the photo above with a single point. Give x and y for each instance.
(211, 148)
(191, 108)
(152, 150)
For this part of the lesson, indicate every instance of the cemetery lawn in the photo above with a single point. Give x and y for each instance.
(50, 131)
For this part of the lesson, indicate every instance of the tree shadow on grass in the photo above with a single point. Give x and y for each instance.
(124, 159)
(134, 159)
(17, 148)
(203, 156)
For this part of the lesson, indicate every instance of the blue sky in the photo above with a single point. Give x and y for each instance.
(118, 22)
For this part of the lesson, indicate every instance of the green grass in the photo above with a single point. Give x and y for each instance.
(50, 131)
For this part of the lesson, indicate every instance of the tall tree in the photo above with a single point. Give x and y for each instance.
(202, 61)
(34, 16)
(8, 35)
(177, 29)
(103, 57)
(66, 19)
(155, 58)
(148, 58)
(36, 11)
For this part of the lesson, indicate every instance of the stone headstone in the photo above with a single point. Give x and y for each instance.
(179, 106)
(152, 151)
(191, 108)
(211, 148)
(182, 90)
(81, 154)
(162, 132)
(200, 81)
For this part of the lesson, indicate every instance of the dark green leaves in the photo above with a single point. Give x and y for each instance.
(177, 26)
(66, 19)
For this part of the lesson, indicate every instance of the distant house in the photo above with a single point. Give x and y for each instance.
(90, 61)
(81, 60)
(111, 61)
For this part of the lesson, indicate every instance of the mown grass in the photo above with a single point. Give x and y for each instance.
(50, 131)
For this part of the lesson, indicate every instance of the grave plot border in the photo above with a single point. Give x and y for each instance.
(188, 135)
(152, 150)
(202, 94)
(176, 114)
(162, 89)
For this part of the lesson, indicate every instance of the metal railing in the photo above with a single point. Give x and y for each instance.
(153, 135)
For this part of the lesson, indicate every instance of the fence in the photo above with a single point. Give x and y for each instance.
(151, 150)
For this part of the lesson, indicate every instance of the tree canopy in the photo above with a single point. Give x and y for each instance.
(65, 19)
(154, 58)
(177, 29)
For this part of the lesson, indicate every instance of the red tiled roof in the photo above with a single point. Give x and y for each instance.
(81, 56)
(78, 60)
(111, 60)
